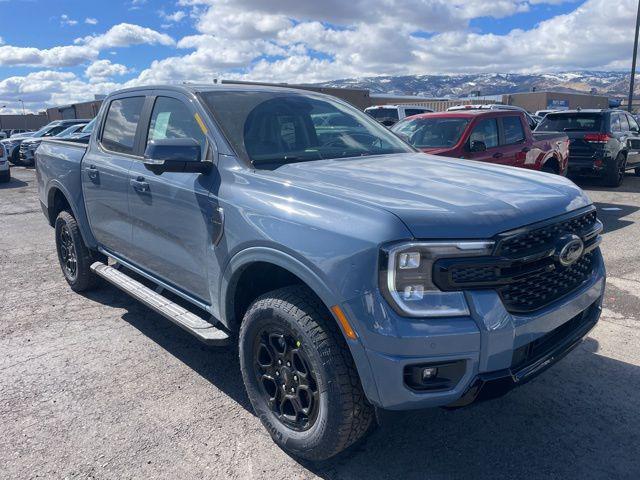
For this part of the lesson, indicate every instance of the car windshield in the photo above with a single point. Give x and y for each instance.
(431, 132)
(273, 128)
(42, 131)
(68, 131)
(571, 122)
(383, 113)
(88, 128)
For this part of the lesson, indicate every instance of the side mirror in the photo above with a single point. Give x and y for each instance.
(175, 155)
(478, 146)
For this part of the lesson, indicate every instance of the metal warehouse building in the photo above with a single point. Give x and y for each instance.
(534, 101)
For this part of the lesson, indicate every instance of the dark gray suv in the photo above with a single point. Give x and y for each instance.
(603, 143)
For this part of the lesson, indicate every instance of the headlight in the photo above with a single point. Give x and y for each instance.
(406, 277)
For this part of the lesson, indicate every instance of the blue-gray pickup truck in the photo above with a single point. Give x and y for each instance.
(352, 272)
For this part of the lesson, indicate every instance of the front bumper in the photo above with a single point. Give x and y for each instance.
(490, 342)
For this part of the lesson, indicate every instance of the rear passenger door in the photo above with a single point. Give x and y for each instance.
(173, 214)
(105, 173)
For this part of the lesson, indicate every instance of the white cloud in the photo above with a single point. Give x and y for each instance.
(91, 21)
(124, 35)
(102, 70)
(65, 20)
(303, 41)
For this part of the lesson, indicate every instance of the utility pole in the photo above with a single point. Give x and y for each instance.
(24, 114)
(633, 62)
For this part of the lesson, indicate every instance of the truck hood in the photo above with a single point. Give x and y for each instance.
(438, 197)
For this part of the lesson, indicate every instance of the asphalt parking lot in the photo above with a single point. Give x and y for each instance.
(98, 386)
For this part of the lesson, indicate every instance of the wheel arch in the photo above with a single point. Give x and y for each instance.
(242, 261)
(58, 199)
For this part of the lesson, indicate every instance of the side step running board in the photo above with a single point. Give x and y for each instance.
(182, 317)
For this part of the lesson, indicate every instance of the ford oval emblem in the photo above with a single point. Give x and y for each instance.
(569, 250)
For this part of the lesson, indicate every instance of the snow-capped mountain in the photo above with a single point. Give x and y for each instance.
(612, 84)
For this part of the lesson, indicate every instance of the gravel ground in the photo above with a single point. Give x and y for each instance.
(98, 386)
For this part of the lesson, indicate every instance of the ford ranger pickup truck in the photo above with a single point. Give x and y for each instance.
(495, 136)
(353, 272)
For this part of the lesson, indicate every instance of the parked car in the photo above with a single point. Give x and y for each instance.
(29, 145)
(390, 114)
(70, 131)
(495, 136)
(604, 143)
(84, 134)
(352, 270)
(12, 145)
(533, 123)
(5, 168)
(542, 113)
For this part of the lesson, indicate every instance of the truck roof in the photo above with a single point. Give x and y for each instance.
(191, 88)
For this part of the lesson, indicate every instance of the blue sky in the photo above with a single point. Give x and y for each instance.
(68, 50)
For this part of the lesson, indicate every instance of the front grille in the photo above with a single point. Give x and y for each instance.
(524, 269)
(538, 290)
(539, 238)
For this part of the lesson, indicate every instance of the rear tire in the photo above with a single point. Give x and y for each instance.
(614, 172)
(74, 256)
(337, 415)
(5, 176)
(637, 172)
(15, 157)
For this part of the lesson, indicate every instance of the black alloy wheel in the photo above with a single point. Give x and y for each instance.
(288, 384)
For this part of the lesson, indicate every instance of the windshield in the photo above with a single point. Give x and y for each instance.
(274, 128)
(383, 113)
(431, 132)
(571, 122)
(88, 128)
(68, 131)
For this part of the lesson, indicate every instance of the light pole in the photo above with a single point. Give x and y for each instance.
(24, 114)
(633, 62)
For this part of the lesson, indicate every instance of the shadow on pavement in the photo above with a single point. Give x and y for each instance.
(631, 184)
(580, 419)
(612, 215)
(13, 183)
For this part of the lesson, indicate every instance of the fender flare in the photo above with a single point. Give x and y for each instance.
(79, 213)
(251, 255)
(315, 282)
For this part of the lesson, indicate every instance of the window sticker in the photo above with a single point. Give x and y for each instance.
(161, 125)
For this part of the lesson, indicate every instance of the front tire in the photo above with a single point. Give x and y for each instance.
(300, 376)
(74, 256)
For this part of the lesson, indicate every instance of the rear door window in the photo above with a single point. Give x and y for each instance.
(615, 123)
(513, 131)
(120, 125)
(633, 125)
(571, 122)
(413, 111)
(624, 124)
(485, 131)
(382, 113)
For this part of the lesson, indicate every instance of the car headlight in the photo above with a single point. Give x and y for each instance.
(406, 281)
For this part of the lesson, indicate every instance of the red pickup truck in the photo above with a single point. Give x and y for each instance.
(495, 136)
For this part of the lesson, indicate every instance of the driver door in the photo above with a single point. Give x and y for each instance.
(172, 211)
(486, 131)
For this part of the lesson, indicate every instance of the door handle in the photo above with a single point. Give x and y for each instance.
(497, 155)
(92, 172)
(139, 185)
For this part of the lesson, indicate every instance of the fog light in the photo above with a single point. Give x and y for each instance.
(429, 373)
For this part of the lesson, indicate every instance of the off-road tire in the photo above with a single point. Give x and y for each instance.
(84, 278)
(344, 414)
(614, 172)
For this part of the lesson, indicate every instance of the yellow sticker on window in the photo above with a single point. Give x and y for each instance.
(200, 123)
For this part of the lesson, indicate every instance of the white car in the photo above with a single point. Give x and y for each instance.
(390, 114)
(5, 170)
